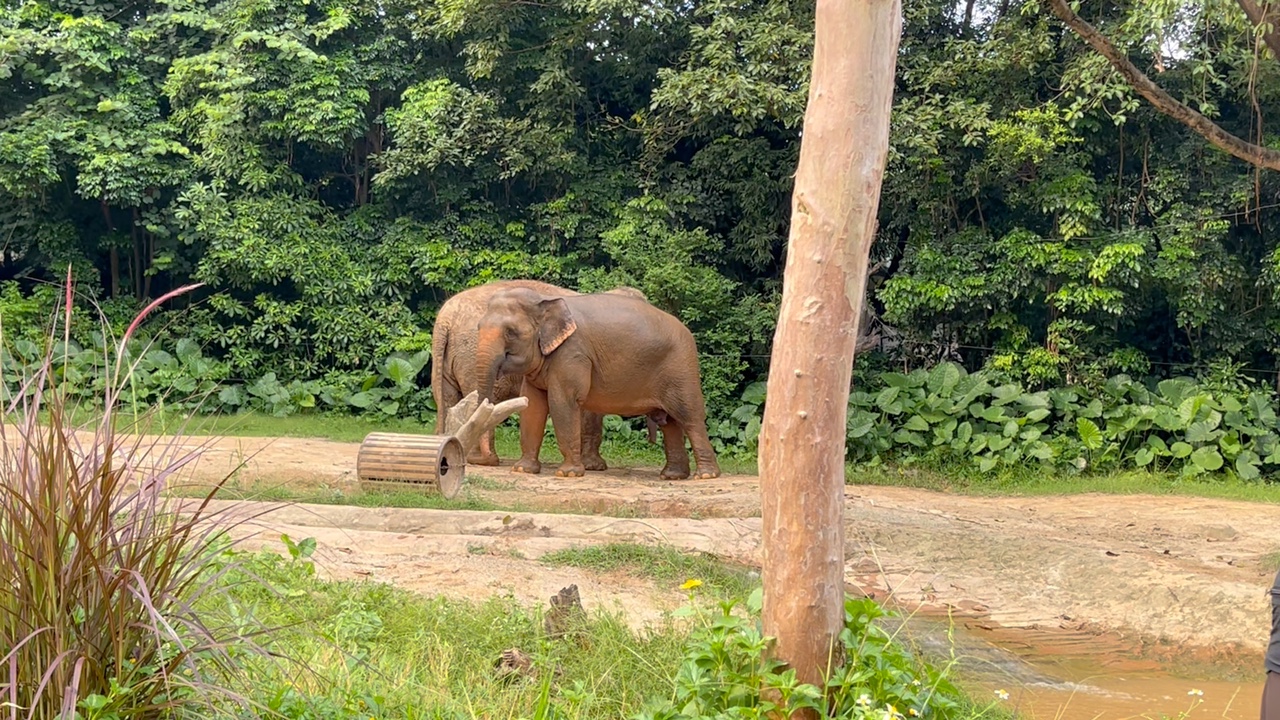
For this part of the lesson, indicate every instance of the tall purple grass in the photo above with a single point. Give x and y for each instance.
(99, 571)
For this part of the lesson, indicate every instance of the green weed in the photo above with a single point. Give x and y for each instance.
(371, 650)
(664, 565)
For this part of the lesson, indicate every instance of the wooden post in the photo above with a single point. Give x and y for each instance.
(833, 220)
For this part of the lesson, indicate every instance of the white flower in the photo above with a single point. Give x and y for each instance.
(1002, 694)
(864, 700)
(1195, 692)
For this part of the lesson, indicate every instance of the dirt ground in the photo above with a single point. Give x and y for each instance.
(1180, 573)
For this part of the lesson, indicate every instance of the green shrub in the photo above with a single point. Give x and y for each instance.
(726, 674)
(1174, 425)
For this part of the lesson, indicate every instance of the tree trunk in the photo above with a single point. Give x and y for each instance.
(833, 219)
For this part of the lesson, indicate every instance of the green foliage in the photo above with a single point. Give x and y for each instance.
(726, 674)
(333, 170)
(666, 565)
(370, 649)
(1176, 425)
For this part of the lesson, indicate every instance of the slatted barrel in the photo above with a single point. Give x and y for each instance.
(418, 462)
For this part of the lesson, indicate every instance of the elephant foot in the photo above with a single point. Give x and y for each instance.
(708, 475)
(674, 473)
(595, 464)
(571, 471)
(530, 467)
(483, 459)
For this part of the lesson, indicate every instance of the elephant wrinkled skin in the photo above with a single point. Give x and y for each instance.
(602, 353)
(453, 354)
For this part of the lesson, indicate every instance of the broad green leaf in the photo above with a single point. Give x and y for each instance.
(1180, 450)
(1207, 458)
(1246, 469)
(886, 397)
(896, 380)
(1037, 415)
(917, 423)
(1143, 457)
(943, 378)
(361, 400)
(1089, 433)
(1006, 394)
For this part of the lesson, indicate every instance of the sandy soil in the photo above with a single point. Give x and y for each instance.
(1182, 573)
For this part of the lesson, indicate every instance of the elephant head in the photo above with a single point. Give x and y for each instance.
(519, 329)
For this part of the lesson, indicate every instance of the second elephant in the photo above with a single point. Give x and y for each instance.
(602, 353)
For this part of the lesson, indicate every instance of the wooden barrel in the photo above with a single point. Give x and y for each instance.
(419, 462)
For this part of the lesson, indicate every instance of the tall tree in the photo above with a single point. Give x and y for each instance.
(833, 221)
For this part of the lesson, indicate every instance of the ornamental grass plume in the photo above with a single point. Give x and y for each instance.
(100, 570)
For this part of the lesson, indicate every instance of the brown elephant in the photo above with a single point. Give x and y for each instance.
(602, 353)
(453, 353)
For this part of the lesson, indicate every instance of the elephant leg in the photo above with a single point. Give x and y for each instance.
(446, 396)
(677, 467)
(533, 425)
(702, 451)
(566, 420)
(592, 437)
(487, 453)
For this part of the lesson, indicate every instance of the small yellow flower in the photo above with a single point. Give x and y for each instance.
(1195, 692)
(913, 712)
(1002, 694)
(691, 583)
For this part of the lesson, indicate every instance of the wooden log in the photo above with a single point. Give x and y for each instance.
(418, 462)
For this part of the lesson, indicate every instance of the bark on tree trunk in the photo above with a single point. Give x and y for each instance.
(833, 219)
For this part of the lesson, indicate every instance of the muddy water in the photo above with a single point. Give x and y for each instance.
(1080, 676)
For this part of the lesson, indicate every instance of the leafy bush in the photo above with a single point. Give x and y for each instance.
(100, 571)
(726, 674)
(1176, 425)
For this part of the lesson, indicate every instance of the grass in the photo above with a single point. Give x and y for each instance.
(370, 650)
(1034, 481)
(666, 566)
(274, 492)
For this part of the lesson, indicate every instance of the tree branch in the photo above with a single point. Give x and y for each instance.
(1259, 17)
(1164, 102)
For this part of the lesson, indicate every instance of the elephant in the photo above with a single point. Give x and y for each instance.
(599, 353)
(453, 351)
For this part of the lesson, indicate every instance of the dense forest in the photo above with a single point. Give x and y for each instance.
(332, 170)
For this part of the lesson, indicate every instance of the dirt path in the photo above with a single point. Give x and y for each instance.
(1183, 572)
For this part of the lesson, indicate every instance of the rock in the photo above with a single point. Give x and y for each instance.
(1219, 533)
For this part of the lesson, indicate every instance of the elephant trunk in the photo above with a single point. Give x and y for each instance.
(489, 357)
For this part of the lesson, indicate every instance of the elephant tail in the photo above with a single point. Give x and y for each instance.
(439, 344)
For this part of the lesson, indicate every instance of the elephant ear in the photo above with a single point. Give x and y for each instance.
(556, 326)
